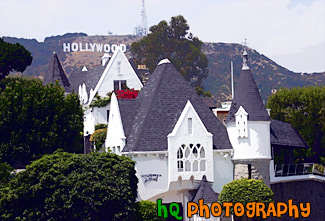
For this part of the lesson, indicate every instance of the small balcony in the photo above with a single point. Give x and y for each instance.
(299, 169)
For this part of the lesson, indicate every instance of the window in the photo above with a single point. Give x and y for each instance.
(241, 122)
(107, 117)
(120, 85)
(189, 126)
(192, 156)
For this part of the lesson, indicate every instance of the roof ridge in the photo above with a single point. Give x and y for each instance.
(148, 108)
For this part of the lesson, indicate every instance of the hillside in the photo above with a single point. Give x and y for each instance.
(268, 74)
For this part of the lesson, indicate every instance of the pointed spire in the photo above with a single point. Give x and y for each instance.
(55, 72)
(248, 96)
(245, 57)
(115, 133)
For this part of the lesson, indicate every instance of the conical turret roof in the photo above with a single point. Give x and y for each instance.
(55, 72)
(247, 95)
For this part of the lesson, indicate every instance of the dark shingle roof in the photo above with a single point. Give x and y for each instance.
(90, 78)
(77, 78)
(161, 102)
(128, 109)
(285, 135)
(248, 96)
(55, 72)
(209, 102)
(205, 192)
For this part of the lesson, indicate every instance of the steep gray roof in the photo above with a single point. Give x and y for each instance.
(55, 72)
(205, 192)
(161, 102)
(209, 102)
(248, 96)
(90, 78)
(285, 135)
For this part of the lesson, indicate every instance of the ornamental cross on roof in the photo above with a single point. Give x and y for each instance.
(245, 56)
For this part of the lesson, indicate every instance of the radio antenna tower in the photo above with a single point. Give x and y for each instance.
(142, 30)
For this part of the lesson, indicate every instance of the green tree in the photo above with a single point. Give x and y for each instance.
(13, 57)
(304, 109)
(65, 186)
(146, 211)
(245, 191)
(37, 119)
(5, 173)
(172, 41)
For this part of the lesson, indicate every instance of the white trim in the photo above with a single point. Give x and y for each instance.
(224, 150)
(181, 118)
(164, 61)
(111, 61)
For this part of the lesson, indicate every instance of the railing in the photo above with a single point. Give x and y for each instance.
(299, 169)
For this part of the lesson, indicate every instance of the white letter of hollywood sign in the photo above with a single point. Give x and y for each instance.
(93, 47)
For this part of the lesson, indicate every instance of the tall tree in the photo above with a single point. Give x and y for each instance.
(13, 57)
(172, 41)
(304, 109)
(65, 186)
(37, 119)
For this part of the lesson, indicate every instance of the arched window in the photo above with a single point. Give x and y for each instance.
(191, 158)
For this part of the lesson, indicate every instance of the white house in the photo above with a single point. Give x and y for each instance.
(117, 75)
(174, 138)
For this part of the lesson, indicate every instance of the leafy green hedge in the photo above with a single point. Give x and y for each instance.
(146, 211)
(65, 186)
(245, 191)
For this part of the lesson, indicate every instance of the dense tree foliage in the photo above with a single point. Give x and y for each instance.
(172, 41)
(5, 173)
(13, 57)
(66, 186)
(37, 119)
(304, 109)
(146, 211)
(245, 191)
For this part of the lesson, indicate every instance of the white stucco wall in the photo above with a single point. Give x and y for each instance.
(100, 114)
(180, 135)
(155, 165)
(223, 170)
(256, 146)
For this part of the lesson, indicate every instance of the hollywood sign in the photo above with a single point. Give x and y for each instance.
(92, 47)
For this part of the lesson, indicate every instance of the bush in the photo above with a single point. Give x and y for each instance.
(146, 211)
(98, 138)
(65, 186)
(245, 191)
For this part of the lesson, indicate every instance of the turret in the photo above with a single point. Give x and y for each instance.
(248, 126)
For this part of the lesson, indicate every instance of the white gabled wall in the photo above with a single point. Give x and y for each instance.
(115, 137)
(185, 133)
(118, 68)
(256, 146)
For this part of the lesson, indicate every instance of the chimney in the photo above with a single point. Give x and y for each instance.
(105, 59)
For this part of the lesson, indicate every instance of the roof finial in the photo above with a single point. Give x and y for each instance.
(245, 56)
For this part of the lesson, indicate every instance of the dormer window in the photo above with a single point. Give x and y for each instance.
(241, 122)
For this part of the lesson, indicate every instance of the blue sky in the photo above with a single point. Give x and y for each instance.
(292, 32)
